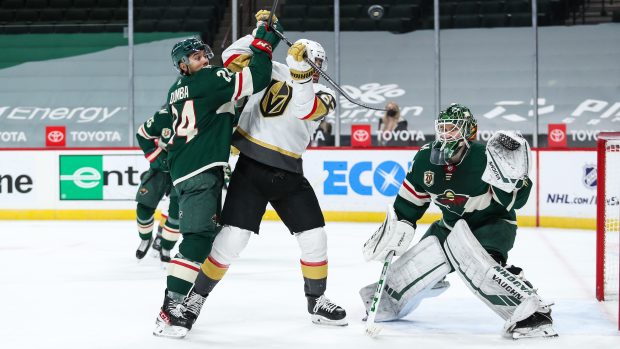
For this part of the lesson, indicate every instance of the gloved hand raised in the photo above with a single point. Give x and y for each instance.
(301, 71)
(263, 34)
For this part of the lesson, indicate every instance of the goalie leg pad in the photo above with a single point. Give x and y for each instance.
(392, 235)
(416, 275)
(505, 293)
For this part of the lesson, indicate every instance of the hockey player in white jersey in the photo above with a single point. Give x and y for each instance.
(274, 129)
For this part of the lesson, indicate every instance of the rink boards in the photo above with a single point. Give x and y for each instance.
(351, 184)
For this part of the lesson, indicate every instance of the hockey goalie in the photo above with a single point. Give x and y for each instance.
(477, 189)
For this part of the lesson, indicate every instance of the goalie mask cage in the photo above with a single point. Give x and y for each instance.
(608, 216)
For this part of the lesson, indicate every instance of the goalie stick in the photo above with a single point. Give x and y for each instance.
(316, 67)
(372, 328)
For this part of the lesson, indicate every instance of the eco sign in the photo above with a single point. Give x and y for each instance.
(100, 177)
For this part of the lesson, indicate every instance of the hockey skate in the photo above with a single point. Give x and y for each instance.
(171, 322)
(157, 242)
(324, 312)
(191, 306)
(537, 325)
(164, 255)
(143, 248)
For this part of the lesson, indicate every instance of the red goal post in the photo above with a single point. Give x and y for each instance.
(608, 216)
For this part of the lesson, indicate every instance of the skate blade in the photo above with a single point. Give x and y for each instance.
(545, 331)
(170, 331)
(320, 320)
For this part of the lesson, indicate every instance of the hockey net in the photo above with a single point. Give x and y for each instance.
(608, 216)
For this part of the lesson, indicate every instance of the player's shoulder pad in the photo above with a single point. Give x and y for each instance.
(239, 47)
(322, 88)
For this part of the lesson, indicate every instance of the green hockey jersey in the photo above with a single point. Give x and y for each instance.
(457, 190)
(203, 109)
(153, 137)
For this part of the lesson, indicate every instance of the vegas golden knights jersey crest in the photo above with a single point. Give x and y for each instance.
(275, 99)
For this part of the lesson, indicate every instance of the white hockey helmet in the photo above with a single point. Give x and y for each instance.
(315, 51)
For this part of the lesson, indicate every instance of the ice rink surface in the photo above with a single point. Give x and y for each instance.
(78, 285)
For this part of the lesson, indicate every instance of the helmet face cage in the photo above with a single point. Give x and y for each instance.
(454, 128)
(183, 49)
(456, 123)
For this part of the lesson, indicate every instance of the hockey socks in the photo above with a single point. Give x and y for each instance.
(211, 273)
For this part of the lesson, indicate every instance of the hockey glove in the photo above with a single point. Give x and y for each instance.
(508, 160)
(263, 16)
(392, 235)
(301, 71)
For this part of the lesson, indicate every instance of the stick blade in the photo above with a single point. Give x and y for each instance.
(373, 330)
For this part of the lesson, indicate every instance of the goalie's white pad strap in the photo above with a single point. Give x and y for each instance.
(506, 167)
(412, 277)
(392, 235)
(503, 292)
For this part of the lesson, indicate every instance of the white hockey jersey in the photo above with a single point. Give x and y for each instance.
(277, 124)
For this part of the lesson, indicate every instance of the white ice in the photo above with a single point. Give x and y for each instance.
(77, 285)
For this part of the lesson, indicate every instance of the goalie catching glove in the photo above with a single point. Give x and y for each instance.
(508, 160)
(393, 235)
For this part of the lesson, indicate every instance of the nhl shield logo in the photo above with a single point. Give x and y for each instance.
(429, 178)
(589, 179)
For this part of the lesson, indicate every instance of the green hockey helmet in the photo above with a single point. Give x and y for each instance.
(454, 129)
(183, 49)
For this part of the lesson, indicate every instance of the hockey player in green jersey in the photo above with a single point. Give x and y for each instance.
(202, 103)
(153, 137)
(477, 189)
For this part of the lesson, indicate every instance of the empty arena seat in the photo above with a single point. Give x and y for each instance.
(493, 20)
(26, 15)
(293, 11)
(145, 25)
(348, 11)
(491, 7)
(466, 21)
(520, 19)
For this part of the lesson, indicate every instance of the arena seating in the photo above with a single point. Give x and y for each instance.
(406, 15)
(92, 16)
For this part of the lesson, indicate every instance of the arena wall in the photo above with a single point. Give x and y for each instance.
(351, 184)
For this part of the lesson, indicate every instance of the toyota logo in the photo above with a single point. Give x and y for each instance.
(55, 136)
(556, 135)
(361, 135)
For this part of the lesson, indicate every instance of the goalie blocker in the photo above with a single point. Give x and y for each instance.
(393, 235)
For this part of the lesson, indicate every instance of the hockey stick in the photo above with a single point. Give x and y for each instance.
(372, 328)
(272, 13)
(324, 75)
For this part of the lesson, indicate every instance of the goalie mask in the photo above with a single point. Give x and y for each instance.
(454, 129)
(316, 53)
(183, 49)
